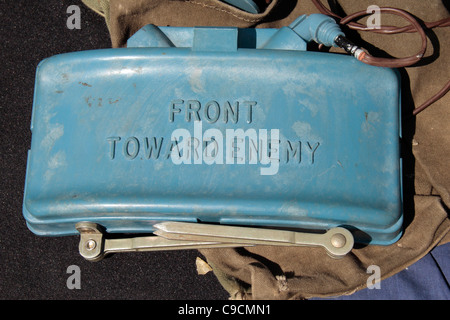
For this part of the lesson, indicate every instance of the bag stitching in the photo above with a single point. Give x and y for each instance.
(222, 10)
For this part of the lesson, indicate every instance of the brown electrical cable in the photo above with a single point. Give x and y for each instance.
(433, 99)
(383, 29)
(392, 62)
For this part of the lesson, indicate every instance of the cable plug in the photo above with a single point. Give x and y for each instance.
(350, 47)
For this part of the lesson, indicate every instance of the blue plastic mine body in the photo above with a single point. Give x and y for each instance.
(220, 125)
(246, 5)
